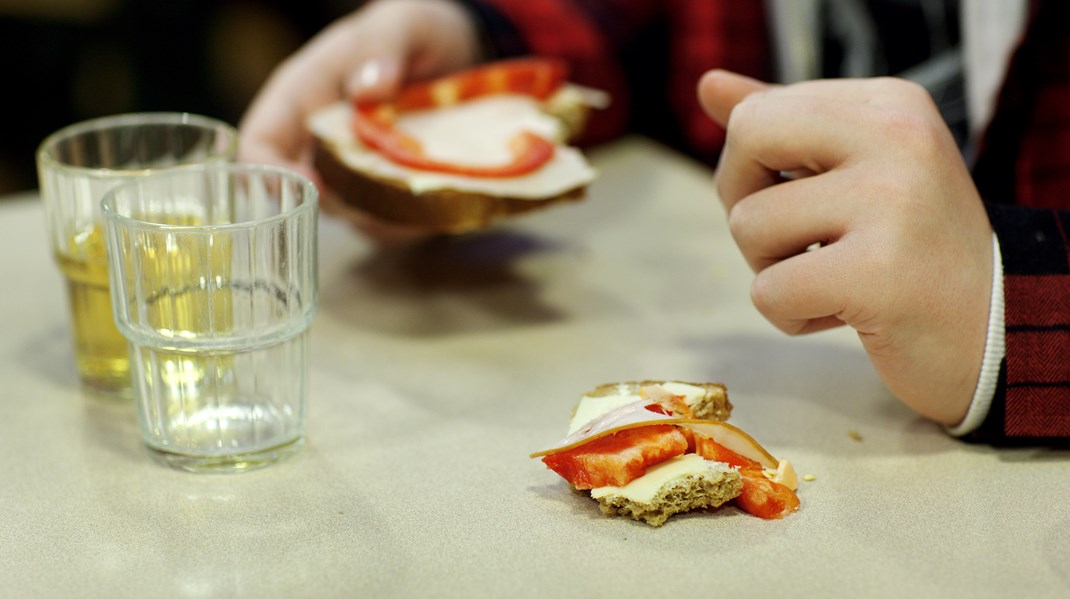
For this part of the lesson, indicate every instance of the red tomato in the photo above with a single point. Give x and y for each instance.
(529, 152)
(711, 450)
(760, 497)
(373, 123)
(619, 458)
(766, 499)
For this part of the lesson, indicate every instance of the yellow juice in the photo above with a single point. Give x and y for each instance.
(188, 294)
(100, 351)
(186, 281)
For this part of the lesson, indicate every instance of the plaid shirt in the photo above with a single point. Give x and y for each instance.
(1023, 172)
(649, 54)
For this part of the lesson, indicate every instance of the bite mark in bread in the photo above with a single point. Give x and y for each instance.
(682, 484)
(720, 463)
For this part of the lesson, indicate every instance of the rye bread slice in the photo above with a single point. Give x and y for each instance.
(710, 486)
(442, 210)
(454, 207)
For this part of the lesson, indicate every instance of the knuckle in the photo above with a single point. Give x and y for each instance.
(746, 114)
(759, 296)
(902, 88)
(765, 297)
(740, 222)
(922, 137)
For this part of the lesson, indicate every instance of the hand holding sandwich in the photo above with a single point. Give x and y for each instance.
(875, 178)
(366, 55)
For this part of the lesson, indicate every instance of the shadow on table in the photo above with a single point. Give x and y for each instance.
(808, 381)
(840, 379)
(583, 511)
(51, 356)
(111, 425)
(1051, 451)
(443, 286)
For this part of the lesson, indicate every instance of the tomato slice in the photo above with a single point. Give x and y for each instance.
(535, 77)
(529, 151)
(712, 450)
(760, 496)
(617, 459)
(766, 499)
(373, 123)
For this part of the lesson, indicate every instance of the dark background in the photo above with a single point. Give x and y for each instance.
(63, 61)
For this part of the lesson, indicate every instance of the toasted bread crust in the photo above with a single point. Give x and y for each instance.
(445, 210)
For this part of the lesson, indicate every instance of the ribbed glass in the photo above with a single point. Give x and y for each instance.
(76, 165)
(214, 283)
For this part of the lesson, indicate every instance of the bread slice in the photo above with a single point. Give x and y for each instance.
(708, 401)
(681, 484)
(442, 210)
(445, 203)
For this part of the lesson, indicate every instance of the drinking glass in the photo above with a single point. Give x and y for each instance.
(214, 284)
(76, 165)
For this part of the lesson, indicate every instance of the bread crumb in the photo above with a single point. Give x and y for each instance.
(809, 477)
(854, 435)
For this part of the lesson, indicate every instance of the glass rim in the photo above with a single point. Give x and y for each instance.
(46, 157)
(310, 196)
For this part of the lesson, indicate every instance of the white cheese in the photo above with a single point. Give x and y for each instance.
(691, 393)
(476, 132)
(644, 488)
(590, 408)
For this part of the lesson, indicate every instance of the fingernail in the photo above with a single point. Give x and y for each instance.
(370, 73)
(377, 76)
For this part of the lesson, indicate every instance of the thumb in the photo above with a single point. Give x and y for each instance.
(376, 78)
(719, 91)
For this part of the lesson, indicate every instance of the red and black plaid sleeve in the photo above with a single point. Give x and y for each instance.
(1023, 172)
(647, 54)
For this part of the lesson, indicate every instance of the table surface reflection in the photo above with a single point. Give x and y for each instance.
(437, 369)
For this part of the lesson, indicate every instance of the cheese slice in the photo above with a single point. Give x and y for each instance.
(593, 406)
(477, 132)
(646, 487)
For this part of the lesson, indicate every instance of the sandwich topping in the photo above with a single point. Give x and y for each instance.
(498, 130)
(646, 487)
(374, 123)
(631, 449)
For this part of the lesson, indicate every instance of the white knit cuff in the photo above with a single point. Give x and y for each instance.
(995, 349)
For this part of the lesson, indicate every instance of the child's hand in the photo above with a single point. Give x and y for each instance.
(906, 246)
(368, 54)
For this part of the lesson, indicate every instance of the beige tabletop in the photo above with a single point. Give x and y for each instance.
(438, 369)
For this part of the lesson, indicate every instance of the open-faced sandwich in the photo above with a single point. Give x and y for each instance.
(651, 449)
(460, 152)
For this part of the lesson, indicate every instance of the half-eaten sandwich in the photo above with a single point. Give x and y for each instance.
(651, 449)
(457, 153)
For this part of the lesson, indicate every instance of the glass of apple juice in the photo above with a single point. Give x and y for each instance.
(76, 166)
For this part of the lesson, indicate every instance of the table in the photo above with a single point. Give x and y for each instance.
(438, 369)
